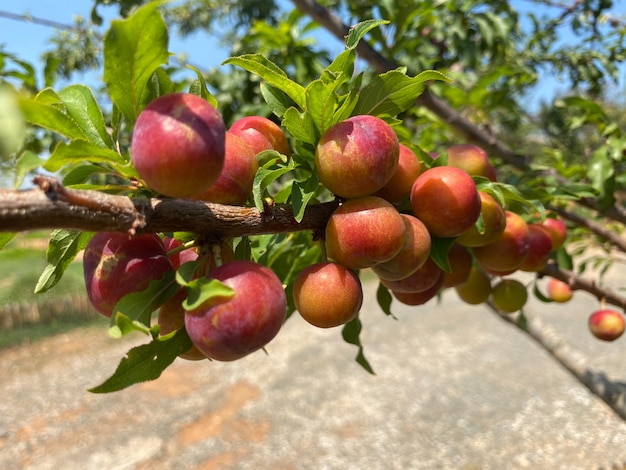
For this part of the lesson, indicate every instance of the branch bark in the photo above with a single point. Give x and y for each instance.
(53, 206)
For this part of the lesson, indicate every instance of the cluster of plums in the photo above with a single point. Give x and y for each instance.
(181, 148)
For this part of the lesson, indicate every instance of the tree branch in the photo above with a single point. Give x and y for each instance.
(53, 206)
(578, 283)
(612, 393)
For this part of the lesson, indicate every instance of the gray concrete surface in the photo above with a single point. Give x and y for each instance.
(456, 388)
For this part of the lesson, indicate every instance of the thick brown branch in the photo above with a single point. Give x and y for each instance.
(53, 206)
(465, 128)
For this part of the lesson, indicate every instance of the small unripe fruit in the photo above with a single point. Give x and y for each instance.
(559, 291)
(476, 289)
(509, 295)
(606, 324)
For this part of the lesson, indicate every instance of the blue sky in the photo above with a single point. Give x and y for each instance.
(28, 40)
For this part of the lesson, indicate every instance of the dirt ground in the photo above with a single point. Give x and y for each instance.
(455, 387)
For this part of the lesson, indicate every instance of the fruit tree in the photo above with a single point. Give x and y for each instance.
(210, 208)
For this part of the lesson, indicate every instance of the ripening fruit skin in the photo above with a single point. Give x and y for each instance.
(419, 298)
(557, 230)
(399, 186)
(115, 265)
(509, 295)
(229, 329)
(260, 133)
(177, 145)
(364, 232)
(424, 278)
(357, 157)
(559, 291)
(172, 317)
(476, 289)
(539, 249)
(494, 222)
(446, 200)
(180, 257)
(327, 294)
(508, 252)
(460, 260)
(234, 185)
(469, 158)
(412, 256)
(606, 324)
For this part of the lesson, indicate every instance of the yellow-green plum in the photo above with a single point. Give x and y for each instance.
(476, 289)
(509, 295)
(177, 145)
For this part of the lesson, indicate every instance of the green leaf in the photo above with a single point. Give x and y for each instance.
(146, 362)
(265, 176)
(83, 109)
(63, 247)
(124, 325)
(5, 238)
(439, 249)
(539, 295)
(301, 194)
(133, 49)
(138, 306)
(359, 30)
(81, 151)
(351, 334)
(50, 117)
(199, 87)
(384, 298)
(300, 126)
(27, 162)
(321, 101)
(393, 92)
(270, 73)
(276, 99)
(159, 84)
(201, 290)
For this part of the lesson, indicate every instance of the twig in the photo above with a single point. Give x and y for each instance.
(579, 283)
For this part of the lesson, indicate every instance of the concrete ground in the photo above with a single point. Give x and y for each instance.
(455, 388)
